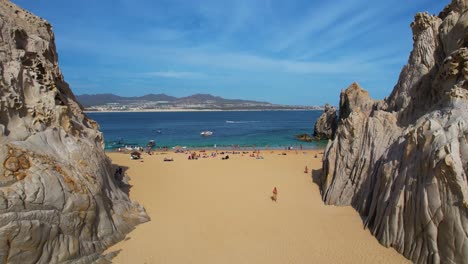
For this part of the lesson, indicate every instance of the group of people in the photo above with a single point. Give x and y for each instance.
(256, 154)
(203, 154)
(194, 156)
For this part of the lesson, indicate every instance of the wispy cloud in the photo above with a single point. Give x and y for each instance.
(177, 74)
(211, 60)
(237, 47)
(320, 18)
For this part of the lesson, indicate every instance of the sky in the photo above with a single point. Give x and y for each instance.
(286, 52)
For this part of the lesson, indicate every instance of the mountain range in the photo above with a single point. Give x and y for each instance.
(93, 100)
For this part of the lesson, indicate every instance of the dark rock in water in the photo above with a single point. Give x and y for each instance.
(403, 162)
(303, 137)
(59, 201)
(326, 124)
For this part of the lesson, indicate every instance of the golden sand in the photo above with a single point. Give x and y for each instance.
(219, 211)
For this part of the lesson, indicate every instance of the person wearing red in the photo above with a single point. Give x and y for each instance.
(275, 194)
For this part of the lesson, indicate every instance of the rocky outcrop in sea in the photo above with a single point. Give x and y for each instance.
(402, 163)
(59, 201)
(326, 124)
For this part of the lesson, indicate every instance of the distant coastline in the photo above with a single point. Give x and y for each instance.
(196, 110)
(165, 103)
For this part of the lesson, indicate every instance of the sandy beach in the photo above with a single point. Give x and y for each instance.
(219, 211)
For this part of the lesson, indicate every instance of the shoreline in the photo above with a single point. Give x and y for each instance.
(224, 148)
(193, 110)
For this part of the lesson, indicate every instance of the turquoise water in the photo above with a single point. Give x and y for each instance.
(275, 129)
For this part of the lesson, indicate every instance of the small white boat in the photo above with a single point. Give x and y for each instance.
(206, 133)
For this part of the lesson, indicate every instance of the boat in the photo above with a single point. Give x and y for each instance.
(151, 144)
(206, 133)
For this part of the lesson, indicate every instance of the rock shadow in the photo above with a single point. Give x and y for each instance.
(121, 179)
(317, 178)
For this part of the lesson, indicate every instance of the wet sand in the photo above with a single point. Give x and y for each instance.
(219, 211)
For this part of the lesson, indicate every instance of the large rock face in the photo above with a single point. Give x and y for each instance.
(58, 198)
(403, 162)
(326, 124)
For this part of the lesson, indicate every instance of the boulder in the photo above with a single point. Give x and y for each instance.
(403, 162)
(304, 137)
(326, 124)
(59, 201)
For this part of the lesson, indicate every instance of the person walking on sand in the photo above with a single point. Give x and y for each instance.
(274, 197)
(306, 170)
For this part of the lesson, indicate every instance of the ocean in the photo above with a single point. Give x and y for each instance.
(273, 129)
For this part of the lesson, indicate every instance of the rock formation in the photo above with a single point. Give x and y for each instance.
(58, 198)
(403, 162)
(303, 137)
(326, 124)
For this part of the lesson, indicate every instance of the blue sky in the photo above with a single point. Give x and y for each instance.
(289, 52)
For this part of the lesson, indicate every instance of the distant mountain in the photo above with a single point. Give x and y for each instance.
(208, 98)
(163, 102)
(156, 97)
(92, 100)
(88, 100)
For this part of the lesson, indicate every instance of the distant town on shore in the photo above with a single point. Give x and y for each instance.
(163, 102)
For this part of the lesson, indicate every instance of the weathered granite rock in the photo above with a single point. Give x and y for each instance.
(304, 137)
(403, 162)
(354, 99)
(58, 198)
(326, 124)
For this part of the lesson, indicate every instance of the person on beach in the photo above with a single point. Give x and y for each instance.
(306, 170)
(275, 194)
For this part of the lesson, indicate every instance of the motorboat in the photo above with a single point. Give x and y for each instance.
(206, 133)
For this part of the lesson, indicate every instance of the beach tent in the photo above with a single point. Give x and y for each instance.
(135, 155)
